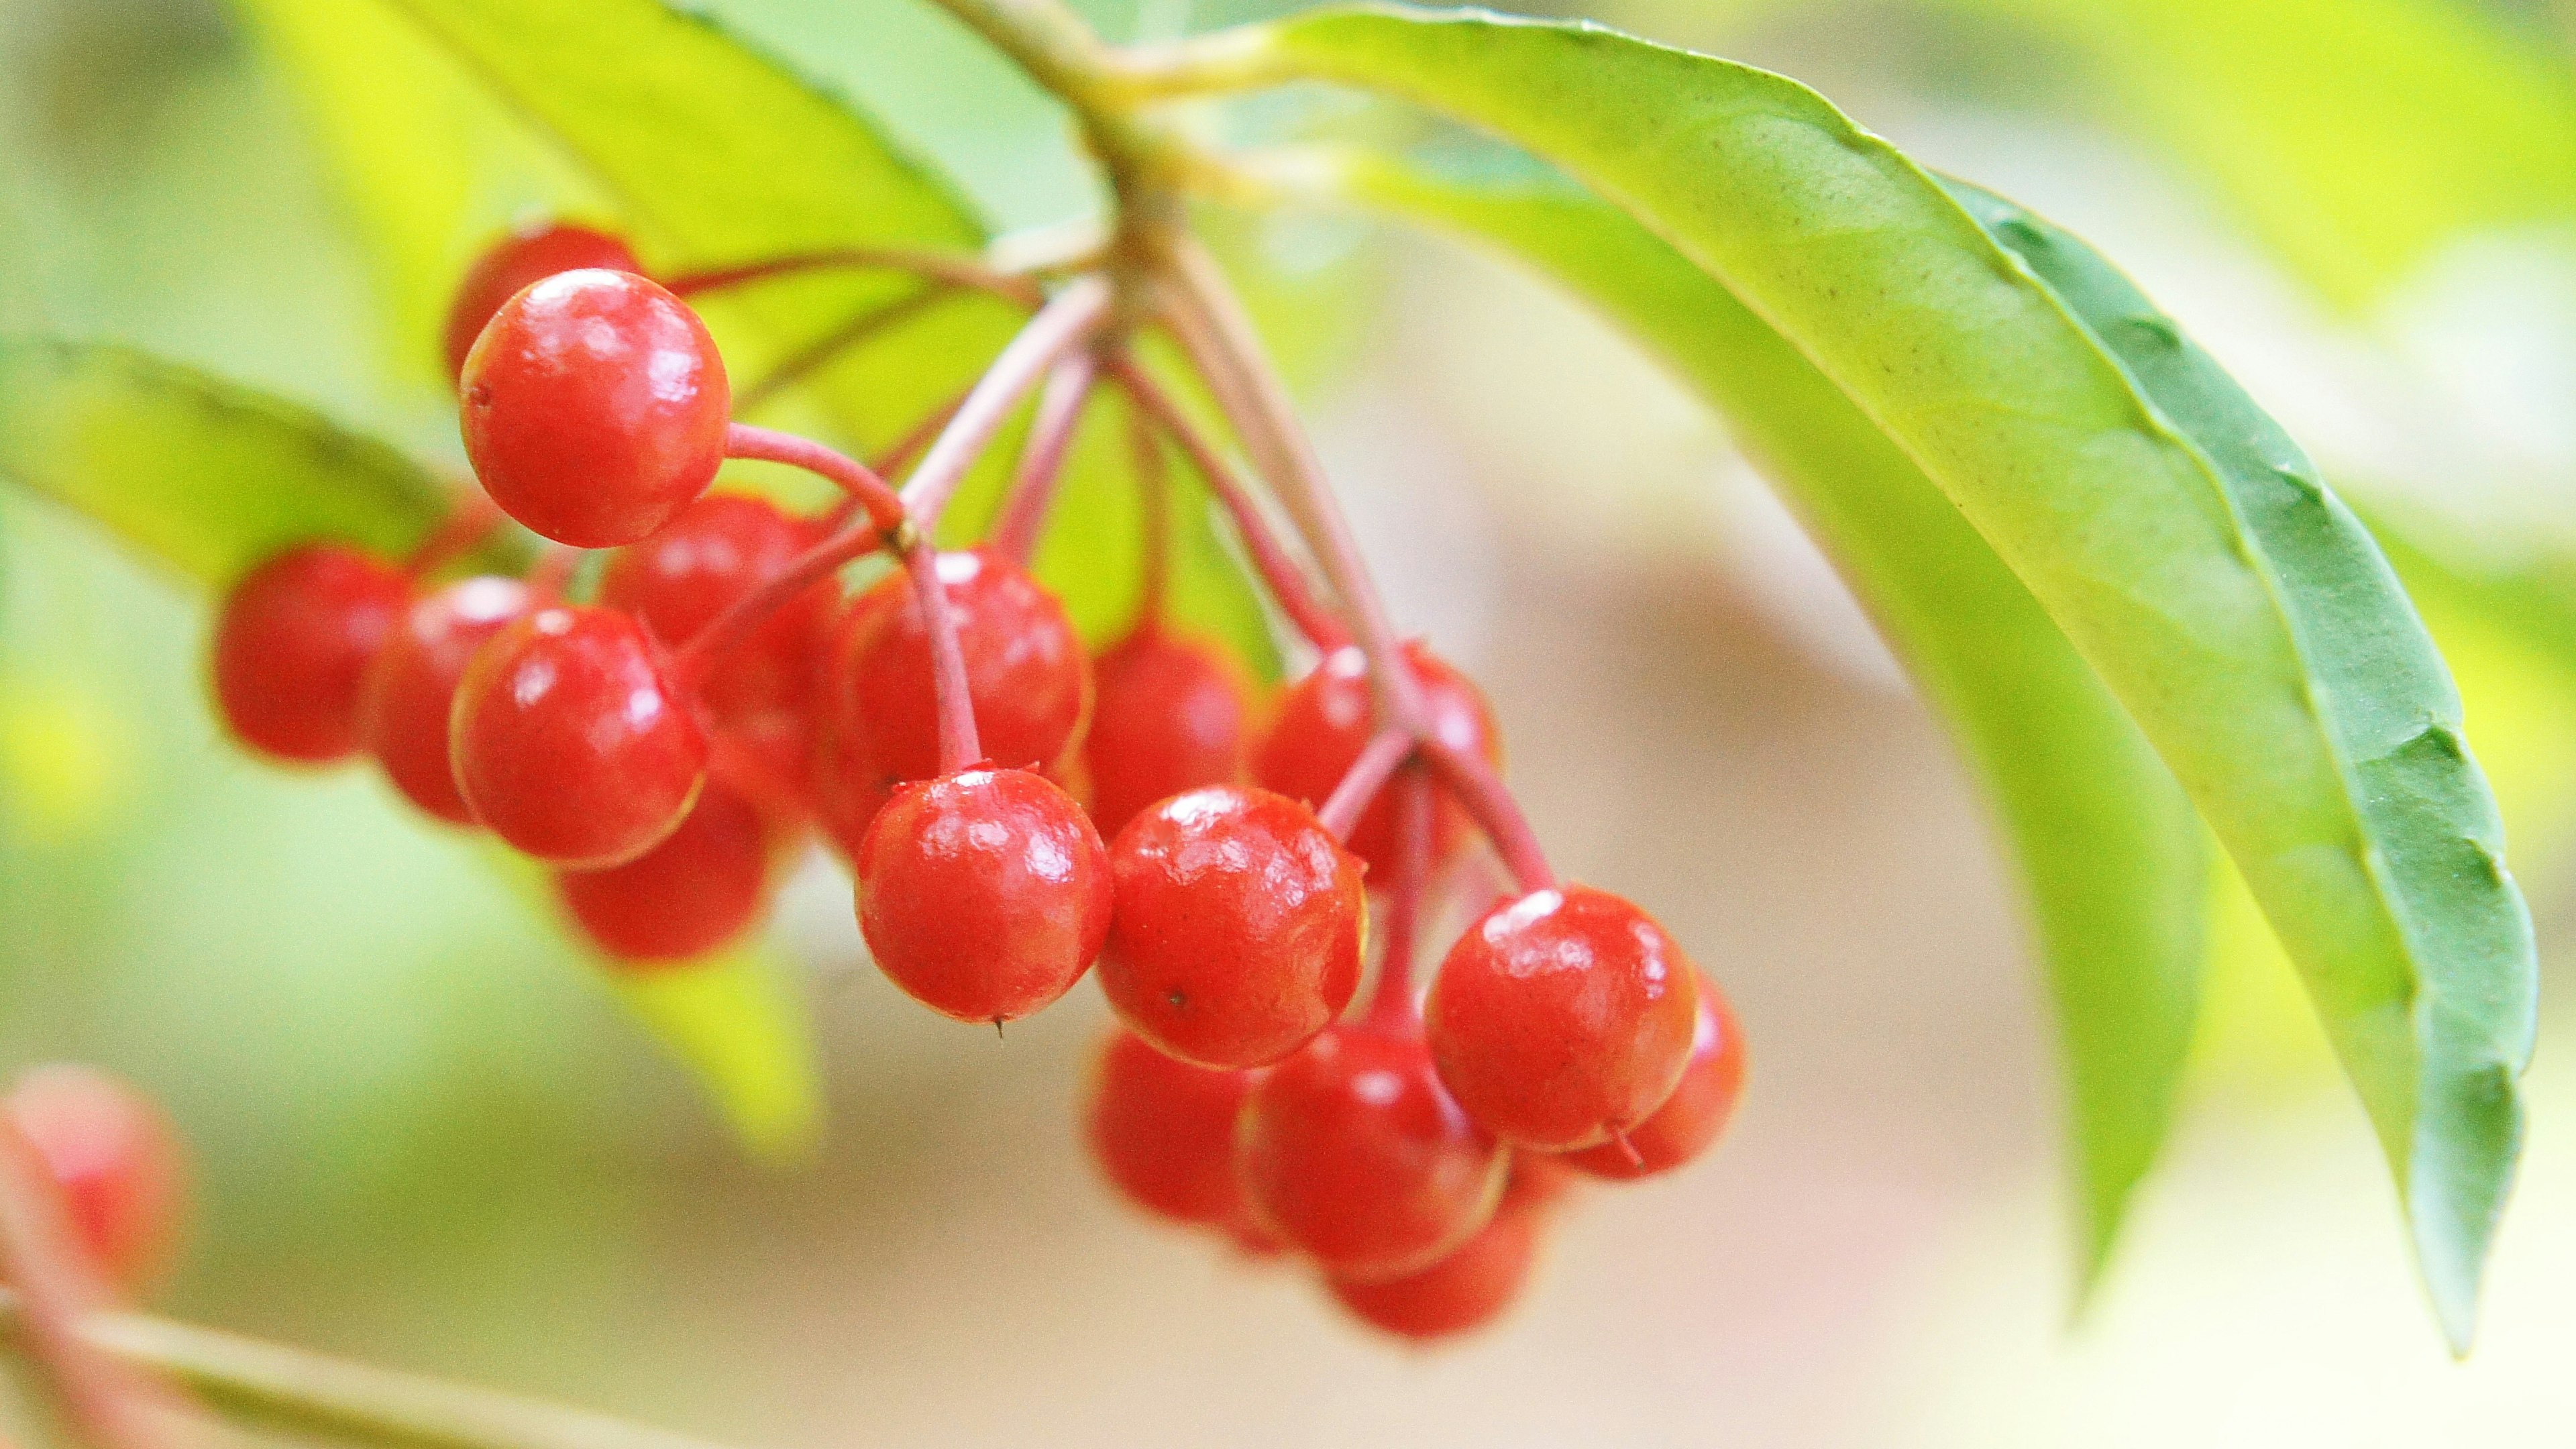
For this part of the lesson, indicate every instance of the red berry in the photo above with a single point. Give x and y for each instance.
(1237, 934)
(1697, 1111)
(294, 643)
(411, 688)
(1353, 1153)
(1538, 1181)
(984, 894)
(114, 1155)
(720, 548)
(570, 741)
(516, 261)
(1326, 719)
(1171, 716)
(595, 407)
(1462, 1292)
(1562, 1017)
(1026, 674)
(702, 887)
(1163, 1131)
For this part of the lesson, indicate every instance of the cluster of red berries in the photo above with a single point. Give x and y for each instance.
(1012, 808)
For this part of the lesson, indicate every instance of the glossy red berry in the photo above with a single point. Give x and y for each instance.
(720, 548)
(570, 741)
(1026, 674)
(1461, 1293)
(1237, 934)
(1172, 714)
(516, 261)
(1562, 1017)
(1697, 1111)
(595, 407)
(293, 645)
(114, 1155)
(695, 891)
(411, 688)
(1353, 1154)
(1162, 1131)
(1325, 720)
(983, 894)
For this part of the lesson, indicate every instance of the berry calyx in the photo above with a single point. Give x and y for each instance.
(1162, 1131)
(116, 1158)
(1326, 720)
(695, 891)
(1171, 714)
(293, 645)
(1562, 1017)
(1237, 933)
(984, 894)
(1355, 1155)
(595, 407)
(718, 550)
(570, 742)
(410, 690)
(1464, 1291)
(1027, 676)
(1694, 1115)
(517, 261)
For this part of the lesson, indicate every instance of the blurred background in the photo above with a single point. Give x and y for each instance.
(426, 1134)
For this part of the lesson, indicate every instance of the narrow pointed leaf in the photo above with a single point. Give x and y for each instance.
(2215, 584)
(2105, 843)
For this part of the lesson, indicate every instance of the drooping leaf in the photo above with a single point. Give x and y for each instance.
(208, 478)
(2105, 843)
(197, 474)
(2220, 590)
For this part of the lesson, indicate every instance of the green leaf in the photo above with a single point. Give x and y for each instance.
(2106, 845)
(2466, 124)
(2217, 586)
(195, 473)
(210, 478)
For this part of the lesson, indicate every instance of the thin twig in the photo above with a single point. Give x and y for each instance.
(1416, 829)
(1285, 578)
(1494, 810)
(832, 345)
(318, 1394)
(1154, 505)
(1041, 470)
(943, 268)
(1059, 327)
(1377, 762)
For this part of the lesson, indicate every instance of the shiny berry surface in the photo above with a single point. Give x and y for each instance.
(292, 647)
(1563, 1016)
(1325, 720)
(1162, 1131)
(720, 548)
(411, 688)
(516, 261)
(1237, 933)
(695, 891)
(1171, 714)
(116, 1158)
(1463, 1292)
(1695, 1114)
(569, 741)
(1353, 1154)
(595, 408)
(1026, 674)
(984, 894)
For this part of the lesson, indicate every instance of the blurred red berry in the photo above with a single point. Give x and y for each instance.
(516, 261)
(115, 1156)
(293, 644)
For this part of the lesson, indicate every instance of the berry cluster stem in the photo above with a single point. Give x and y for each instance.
(1416, 826)
(1033, 486)
(839, 341)
(1061, 325)
(1379, 759)
(1154, 505)
(1490, 802)
(944, 270)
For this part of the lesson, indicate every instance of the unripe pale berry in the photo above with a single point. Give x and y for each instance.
(1237, 933)
(983, 894)
(570, 741)
(1562, 1017)
(595, 407)
(292, 647)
